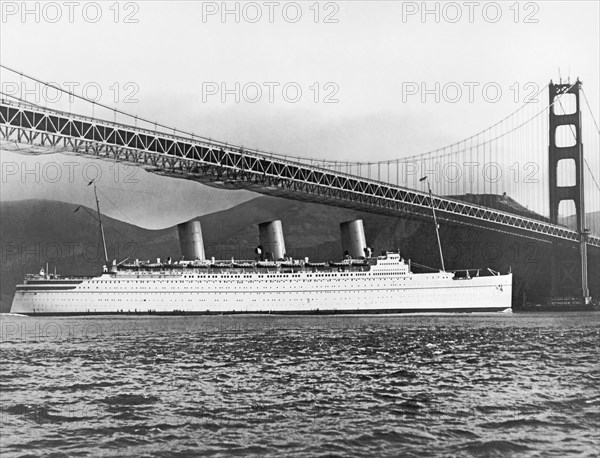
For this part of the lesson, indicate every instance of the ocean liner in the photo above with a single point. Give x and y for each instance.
(271, 283)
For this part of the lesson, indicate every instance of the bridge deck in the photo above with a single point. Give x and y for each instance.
(219, 164)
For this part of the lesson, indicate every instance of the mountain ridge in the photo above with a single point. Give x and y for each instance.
(34, 232)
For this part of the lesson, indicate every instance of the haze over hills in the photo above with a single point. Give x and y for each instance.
(127, 193)
(592, 221)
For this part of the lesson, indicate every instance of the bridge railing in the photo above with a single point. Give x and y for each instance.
(505, 144)
(381, 193)
(215, 144)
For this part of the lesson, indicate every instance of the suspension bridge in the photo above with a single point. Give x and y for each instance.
(527, 176)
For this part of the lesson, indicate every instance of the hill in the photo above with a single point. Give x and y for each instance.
(37, 232)
(592, 221)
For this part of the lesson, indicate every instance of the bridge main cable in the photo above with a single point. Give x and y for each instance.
(223, 165)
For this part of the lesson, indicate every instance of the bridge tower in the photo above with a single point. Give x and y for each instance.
(569, 268)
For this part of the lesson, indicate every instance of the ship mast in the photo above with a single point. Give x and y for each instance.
(437, 226)
(100, 222)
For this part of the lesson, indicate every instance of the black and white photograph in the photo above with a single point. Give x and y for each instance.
(357, 228)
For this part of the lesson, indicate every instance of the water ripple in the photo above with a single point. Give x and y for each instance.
(468, 385)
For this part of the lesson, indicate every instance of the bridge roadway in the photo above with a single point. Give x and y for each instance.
(226, 166)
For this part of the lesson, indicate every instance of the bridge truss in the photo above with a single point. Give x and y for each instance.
(220, 165)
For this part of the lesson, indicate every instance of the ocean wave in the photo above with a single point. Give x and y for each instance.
(288, 386)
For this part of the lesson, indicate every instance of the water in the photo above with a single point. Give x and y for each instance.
(445, 385)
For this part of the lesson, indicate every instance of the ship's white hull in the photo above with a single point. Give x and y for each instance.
(277, 293)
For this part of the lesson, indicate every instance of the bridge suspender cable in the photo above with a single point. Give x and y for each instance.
(496, 143)
(598, 129)
(95, 103)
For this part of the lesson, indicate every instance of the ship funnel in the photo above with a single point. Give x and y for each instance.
(271, 240)
(190, 240)
(353, 238)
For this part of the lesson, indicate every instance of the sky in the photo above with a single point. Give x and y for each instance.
(340, 80)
